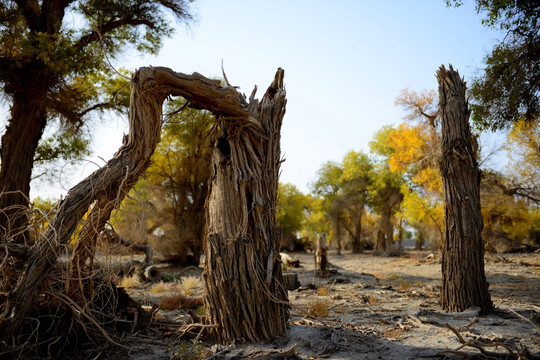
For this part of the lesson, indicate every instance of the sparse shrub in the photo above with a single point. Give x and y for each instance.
(163, 287)
(188, 351)
(177, 301)
(322, 291)
(201, 310)
(319, 308)
(169, 277)
(172, 302)
(188, 284)
(130, 282)
(404, 284)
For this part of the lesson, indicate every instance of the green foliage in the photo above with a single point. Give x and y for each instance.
(316, 221)
(343, 188)
(509, 88)
(169, 203)
(64, 145)
(59, 53)
(290, 212)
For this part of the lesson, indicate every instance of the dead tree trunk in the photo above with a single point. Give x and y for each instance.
(240, 210)
(104, 185)
(245, 294)
(321, 259)
(337, 235)
(463, 279)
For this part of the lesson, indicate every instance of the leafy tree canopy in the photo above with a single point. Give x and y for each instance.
(508, 90)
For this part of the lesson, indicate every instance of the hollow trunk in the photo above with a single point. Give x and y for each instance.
(463, 278)
(19, 144)
(245, 294)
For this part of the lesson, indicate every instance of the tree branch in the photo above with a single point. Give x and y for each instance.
(97, 34)
(30, 12)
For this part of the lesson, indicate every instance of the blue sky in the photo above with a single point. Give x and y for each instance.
(345, 62)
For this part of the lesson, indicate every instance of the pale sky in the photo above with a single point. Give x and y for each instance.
(345, 62)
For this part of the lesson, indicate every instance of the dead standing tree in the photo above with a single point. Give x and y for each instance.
(245, 294)
(253, 128)
(463, 278)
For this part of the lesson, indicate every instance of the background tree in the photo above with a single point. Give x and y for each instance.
(357, 178)
(385, 192)
(327, 187)
(290, 215)
(316, 222)
(169, 202)
(385, 199)
(344, 189)
(508, 89)
(55, 72)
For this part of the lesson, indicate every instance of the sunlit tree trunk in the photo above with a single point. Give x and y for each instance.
(245, 294)
(463, 278)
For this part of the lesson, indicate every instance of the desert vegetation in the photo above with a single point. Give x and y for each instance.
(185, 244)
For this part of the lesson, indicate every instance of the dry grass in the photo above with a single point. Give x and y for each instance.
(404, 285)
(319, 307)
(180, 301)
(163, 287)
(172, 302)
(130, 282)
(188, 284)
(322, 291)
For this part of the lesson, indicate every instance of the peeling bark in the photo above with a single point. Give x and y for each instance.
(245, 291)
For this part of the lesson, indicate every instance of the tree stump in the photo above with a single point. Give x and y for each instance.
(245, 294)
(463, 278)
(321, 260)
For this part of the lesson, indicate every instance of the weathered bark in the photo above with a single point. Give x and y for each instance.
(321, 260)
(463, 278)
(19, 144)
(245, 293)
(128, 163)
(242, 239)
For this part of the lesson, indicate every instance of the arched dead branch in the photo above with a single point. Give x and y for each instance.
(240, 209)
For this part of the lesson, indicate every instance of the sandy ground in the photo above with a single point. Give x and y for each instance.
(379, 308)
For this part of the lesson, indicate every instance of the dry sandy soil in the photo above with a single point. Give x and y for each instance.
(378, 308)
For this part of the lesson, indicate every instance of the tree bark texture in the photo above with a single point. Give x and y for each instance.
(245, 294)
(321, 259)
(463, 278)
(105, 185)
(19, 143)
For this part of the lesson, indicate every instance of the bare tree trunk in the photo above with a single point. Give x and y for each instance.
(463, 279)
(245, 293)
(241, 215)
(19, 144)
(337, 225)
(129, 162)
(321, 260)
